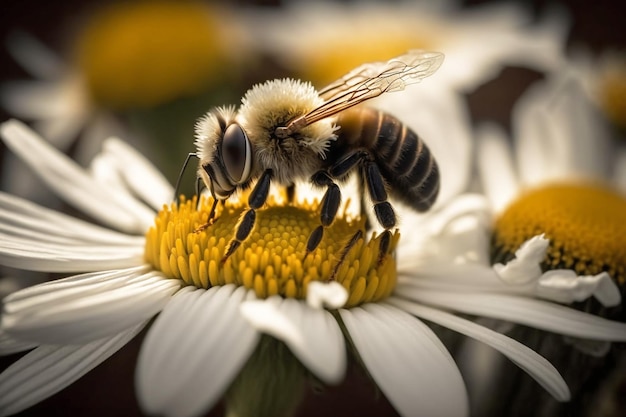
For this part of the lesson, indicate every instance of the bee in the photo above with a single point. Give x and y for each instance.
(286, 131)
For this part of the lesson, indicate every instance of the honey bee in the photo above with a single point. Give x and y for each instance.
(286, 131)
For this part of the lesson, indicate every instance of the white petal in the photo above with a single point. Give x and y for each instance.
(558, 133)
(535, 365)
(29, 254)
(34, 56)
(141, 176)
(39, 100)
(456, 232)
(10, 345)
(193, 351)
(62, 132)
(495, 166)
(530, 312)
(564, 286)
(526, 265)
(331, 295)
(534, 145)
(72, 183)
(87, 307)
(312, 334)
(48, 369)
(407, 360)
(35, 219)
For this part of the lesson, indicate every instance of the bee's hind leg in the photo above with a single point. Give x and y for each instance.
(382, 208)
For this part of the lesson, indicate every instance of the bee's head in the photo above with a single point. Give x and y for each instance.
(225, 152)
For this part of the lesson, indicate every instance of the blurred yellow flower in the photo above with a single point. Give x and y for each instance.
(147, 53)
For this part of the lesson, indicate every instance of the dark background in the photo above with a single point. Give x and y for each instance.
(108, 390)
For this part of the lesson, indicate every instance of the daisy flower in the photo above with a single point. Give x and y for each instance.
(207, 338)
(320, 41)
(555, 200)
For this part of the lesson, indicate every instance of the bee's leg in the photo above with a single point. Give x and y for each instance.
(199, 186)
(291, 192)
(363, 206)
(353, 240)
(330, 206)
(343, 167)
(210, 219)
(382, 208)
(257, 198)
(181, 173)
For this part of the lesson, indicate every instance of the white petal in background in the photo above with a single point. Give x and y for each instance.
(39, 60)
(194, 350)
(558, 134)
(73, 183)
(407, 361)
(48, 369)
(495, 166)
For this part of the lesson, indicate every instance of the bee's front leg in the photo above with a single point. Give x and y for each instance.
(256, 199)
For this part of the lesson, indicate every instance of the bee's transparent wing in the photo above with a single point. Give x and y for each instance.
(366, 82)
(382, 77)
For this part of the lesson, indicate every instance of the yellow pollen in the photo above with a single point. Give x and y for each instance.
(272, 260)
(146, 53)
(586, 225)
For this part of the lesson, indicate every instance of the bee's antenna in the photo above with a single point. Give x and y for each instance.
(182, 172)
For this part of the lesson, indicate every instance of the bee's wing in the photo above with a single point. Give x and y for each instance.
(371, 80)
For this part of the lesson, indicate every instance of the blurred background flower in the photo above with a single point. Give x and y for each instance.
(152, 77)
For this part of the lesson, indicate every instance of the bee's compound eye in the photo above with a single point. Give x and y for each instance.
(236, 154)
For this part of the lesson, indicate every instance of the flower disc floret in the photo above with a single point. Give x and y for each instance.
(585, 223)
(272, 260)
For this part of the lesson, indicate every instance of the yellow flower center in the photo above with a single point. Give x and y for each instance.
(146, 53)
(612, 91)
(272, 260)
(586, 225)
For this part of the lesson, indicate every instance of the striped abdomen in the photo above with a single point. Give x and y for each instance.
(403, 158)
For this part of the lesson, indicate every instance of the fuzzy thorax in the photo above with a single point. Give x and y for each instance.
(273, 104)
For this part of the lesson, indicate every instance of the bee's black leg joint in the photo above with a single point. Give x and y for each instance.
(346, 164)
(257, 198)
(314, 239)
(328, 212)
(378, 193)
